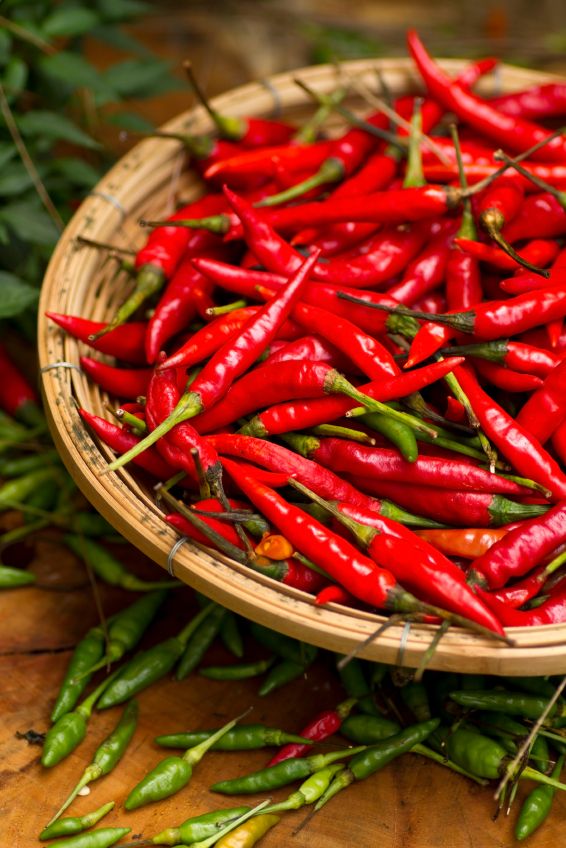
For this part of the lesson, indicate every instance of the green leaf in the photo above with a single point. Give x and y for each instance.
(54, 126)
(130, 121)
(5, 46)
(70, 21)
(29, 221)
(120, 39)
(74, 71)
(7, 152)
(14, 180)
(136, 77)
(15, 78)
(76, 171)
(122, 10)
(16, 295)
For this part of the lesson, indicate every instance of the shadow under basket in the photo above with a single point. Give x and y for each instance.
(146, 183)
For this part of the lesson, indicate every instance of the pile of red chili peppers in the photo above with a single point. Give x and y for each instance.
(364, 338)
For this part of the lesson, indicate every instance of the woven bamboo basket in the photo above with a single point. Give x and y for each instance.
(146, 183)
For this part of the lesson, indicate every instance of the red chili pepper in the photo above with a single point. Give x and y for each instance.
(17, 397)
(505, 378)
(480, 169)
(352, 458)
(541, 216)
(323, 725)
(426, 571)
(522, 450)
(540, 252)
(121, 441)
(334, 594)
(178, 304)
(248, 165)
(359, 574)
(514, 133)
(313, 348)
(545, 410)
(514, 355)
(301, 415)
(126, 383)
(426, 272)
(450, 506)
(370, 356)
(522, 590)
(559, 441)
(538, 101)
(223, 528)
(231, 360)
(126, 343)
(552, 611)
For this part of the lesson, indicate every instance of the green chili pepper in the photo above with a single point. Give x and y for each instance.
(13, 578)
(199, 642)
(533, 685)
(282, 673)
(87, 653)
(89, 524)
(443, 761)
(356, 685)
(198, 827)
(236, 672)
(378, 756)
(151, 665)
(107, 755)
(377, 674)
(512, 703)
(15, 492)
(285, 647)
(103, 838)
(172, 773)
(482, 756)
(107, 567)
(244, 737)
(414, 696)
(43, 499)
(308, 792)
(281, 774)
(70, 730)
(368, 729)
(20, 465)
(216, 838)
(125, 629)
(536, 806)
(75, 824)
(507, 730)
(396, 432)
(231, 636)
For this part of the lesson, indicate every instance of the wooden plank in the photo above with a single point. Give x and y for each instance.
(411, 804)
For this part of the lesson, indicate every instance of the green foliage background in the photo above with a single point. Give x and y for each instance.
(61, 105)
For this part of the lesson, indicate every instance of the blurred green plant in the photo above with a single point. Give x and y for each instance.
(54, 108)
(334, 44)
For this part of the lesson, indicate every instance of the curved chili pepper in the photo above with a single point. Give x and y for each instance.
(522, 549)
(540, 252)
(552, 611)
(104, 837)
(76, 824)
(522, 590)
(248, 165)
(426, 272)
(107, 755)
(17, 397)
(547, 100)
(450, 506)
(545, 410)
(88, 652)
(197, 828)
(323, 725)
(515, 133)
(206, 341)
(126, 343)
(507, 379)
(540, 216)
(305, 414)
(187, 529)
(243, 737)
(311, 347)
(536, 806)
(524, 451)
(109, 569)
(126, 383)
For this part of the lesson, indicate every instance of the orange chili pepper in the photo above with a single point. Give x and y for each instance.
(469, 543)
(273, 546)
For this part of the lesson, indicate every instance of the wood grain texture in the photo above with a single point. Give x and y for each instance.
(411, 804)
(79, 281)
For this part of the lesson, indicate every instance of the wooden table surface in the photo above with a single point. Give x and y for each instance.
(411, 804)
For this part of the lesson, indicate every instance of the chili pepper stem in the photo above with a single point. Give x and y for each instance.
(101, 245)
(456, 388)
(228, 127)
(414, 177)
(331, 171)
(492, 227)
(195, 754)
(430, 651)
(544, 186)
(424, 751)
(219, 224)
(91, 773)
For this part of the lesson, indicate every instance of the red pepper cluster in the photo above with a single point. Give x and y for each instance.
(360, 287)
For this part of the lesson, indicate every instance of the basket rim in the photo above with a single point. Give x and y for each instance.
(237, 587)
